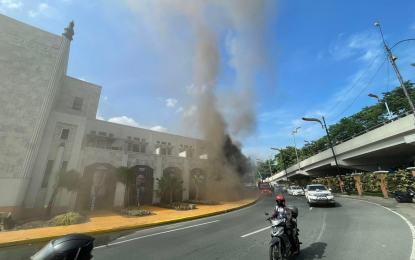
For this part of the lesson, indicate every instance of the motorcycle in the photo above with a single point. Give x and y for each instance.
(280, 246)
(408, 196)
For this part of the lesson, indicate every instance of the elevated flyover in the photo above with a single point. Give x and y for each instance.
(388, 145)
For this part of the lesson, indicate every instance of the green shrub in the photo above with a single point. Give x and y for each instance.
(202, 202)
(177, 206)
(135, 211)
(69, 218)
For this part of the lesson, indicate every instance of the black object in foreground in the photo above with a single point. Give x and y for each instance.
(69, 247)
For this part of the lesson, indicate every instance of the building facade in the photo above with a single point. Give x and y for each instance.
(48, 122)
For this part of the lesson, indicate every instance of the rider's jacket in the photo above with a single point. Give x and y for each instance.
(279, 212)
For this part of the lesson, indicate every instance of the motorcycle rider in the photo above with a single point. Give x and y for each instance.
(282, 211)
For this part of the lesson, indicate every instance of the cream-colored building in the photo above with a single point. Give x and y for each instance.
(48, 121)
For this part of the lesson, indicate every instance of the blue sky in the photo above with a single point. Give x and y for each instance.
(318, 49)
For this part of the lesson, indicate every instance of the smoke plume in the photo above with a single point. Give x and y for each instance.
(243, 22)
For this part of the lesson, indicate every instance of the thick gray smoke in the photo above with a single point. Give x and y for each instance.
(244, 21)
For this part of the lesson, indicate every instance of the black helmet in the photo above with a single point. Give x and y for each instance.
(69, 247)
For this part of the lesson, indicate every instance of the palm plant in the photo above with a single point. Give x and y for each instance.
(65, 180)
(168, 185)
(124, 176)
(198, 178)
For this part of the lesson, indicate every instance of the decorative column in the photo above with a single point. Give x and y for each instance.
(357, 183)
(55, 170)
(412, 169)
(382, 183)
(53, 85)
(341, 184)
(329, 183)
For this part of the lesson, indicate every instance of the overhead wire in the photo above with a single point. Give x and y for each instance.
(354, 85)
(361, 91)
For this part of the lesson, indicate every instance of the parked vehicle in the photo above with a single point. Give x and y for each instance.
(280, 188)
(265, 188)
(319, 194)
(280, 246)
(408, 196)
(295, 190)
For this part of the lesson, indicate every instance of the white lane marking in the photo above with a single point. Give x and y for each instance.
(311, 208)
(407, 222)
(255, 232)
(323, 227)
(155, 234)
(199, 219)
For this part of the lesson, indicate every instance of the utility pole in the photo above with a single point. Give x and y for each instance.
(392, 60)
(295, 147)
(332, 149)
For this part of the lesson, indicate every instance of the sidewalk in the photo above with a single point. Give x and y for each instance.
(106, 221)
(405, 209)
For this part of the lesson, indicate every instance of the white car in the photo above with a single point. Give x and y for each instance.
(295, 190)
(319, 194)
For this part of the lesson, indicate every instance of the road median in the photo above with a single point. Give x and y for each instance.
(105, 221)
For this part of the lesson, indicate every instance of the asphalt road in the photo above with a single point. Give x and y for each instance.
(351, 230)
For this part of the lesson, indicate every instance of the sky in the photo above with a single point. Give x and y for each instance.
(323, 55)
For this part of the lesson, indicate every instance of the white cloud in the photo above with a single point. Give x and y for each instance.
(193, 89)
(10, 4)
(105, 98)
(356, 44)
(159, 129)
(99, 117)
(123, 120)
(180, 109)
(191, 111)
(82, 78)
(171, 102)
(44, 10)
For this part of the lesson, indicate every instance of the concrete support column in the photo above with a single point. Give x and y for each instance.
(55, 171)
(382, 183)
(412, 169)
(358, 187)
(341, 184)
(53, 85)
(186, 179)
(329, 183)
(158, 173)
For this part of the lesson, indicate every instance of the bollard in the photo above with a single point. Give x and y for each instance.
(382, 183)
(358, 186)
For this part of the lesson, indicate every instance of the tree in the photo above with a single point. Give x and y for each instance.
(124, 175)
(198, 178)
(397, 100)
(168, 185)
(65, 180)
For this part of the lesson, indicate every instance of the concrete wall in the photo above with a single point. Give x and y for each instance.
(27, 57)
(71, 88)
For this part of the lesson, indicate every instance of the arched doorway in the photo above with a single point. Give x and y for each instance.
(192, 185)
(98, 186)
(141, 186)
(177, 173)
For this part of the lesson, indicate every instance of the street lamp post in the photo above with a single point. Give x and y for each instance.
(330, 143)
(392, 60)
(283, 161)
(386, 104)
(295, 147)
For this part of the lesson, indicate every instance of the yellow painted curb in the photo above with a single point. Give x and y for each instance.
(100, 231)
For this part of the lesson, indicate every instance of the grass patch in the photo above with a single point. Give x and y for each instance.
(176, 206)
(67, 219)
(202, 202)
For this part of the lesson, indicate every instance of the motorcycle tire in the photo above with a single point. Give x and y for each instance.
(297, 252)
(413, 199)
(275, 253)
(398, 199)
